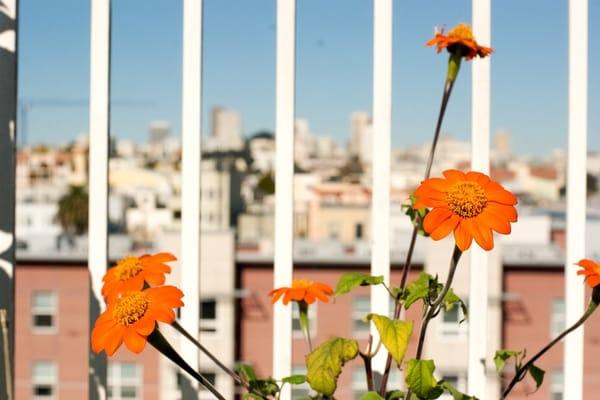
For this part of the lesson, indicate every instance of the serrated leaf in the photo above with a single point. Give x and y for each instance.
(423, 288)
(247, 371)
(325, 363)
(371, 396)
(351, 280)
(502, 355)
(394, 395)
(294, 379)
(394, 335)
(537, 374)
(451, 300)
(455, 393)
(420, 379)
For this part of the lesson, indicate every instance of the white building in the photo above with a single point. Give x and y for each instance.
(226, 131)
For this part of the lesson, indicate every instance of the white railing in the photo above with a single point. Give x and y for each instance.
(285, 100)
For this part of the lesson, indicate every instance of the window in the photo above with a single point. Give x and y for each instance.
(210, 376)
(43, 311)
(208, 315)
(43, 380)
(557, 319)
(557, 385)
(358, 231)
(361, 306)
(451, 325)
(312, 320)
(124, 381)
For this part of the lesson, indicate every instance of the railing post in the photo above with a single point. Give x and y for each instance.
(480, 161)
(191, 175)
(8, 107)
(284, 186)
(98, 177)
(382, 132)
(576, 193)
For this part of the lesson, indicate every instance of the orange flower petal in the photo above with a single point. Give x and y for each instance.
(497, 193)
(462, 236)
(134, 341)
(445, 228)
(481, 233)
(436, 217)
(454, 175)
(497, 223)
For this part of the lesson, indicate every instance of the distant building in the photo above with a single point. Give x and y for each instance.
(226, 131)
(361, 136)
(158, 131)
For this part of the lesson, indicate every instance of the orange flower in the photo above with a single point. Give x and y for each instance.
(470, 204)
(132, 317)
(131, 272)
(591, 271)
(460, 39)
(302, 290)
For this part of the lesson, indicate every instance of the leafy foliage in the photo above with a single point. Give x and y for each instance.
(394, 334)
(325, 363)
(259, 388)
(422, 383)
(425, 288)
(416, 216)
(351, 280)
(451, 300)
(73, 211)
(503, 355)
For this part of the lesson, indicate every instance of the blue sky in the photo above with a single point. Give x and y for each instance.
(334, 67)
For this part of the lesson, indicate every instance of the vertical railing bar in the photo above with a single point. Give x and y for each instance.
(98, 176)
(284, 189)
(8, 141)
(381, 162)
(576, 193)
(480, 161)
(191, 137)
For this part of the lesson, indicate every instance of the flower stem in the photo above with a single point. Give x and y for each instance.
(161, 344)
(5, 347)
(204, 350)
(435, 307)
(520, 373)
(304, 324)
(453, 69)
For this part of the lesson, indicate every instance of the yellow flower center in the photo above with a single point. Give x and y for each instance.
(128, 267)
(467, 199)
(461, 31)
(301, 284)
(130, 308)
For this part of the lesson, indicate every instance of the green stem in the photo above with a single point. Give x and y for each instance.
(448, 85)
(161, 344)
(520, 373)
(304, 324)
(204, 350)
(435, 307)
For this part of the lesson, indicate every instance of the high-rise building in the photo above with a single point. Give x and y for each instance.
(361, 136)
(158, 131)
(226, 130)
(502, 145)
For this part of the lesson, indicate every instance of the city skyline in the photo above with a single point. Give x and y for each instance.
(333, 68)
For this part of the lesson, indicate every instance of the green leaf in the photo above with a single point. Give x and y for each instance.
(294, 379)
(502, 355)
(247, 372)
(420, 379)
(394, 334)
(325, 363)
(451, 300)
(455, 393)
(537, 374)
(351, 280)
(425, 287)
(394, 395)
(371, 396)
(416, 215)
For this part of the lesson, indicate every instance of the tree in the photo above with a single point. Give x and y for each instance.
(73, 211)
